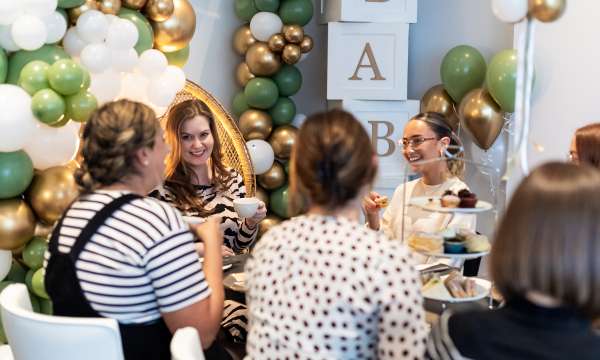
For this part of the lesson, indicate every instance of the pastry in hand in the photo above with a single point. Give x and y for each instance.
(382, 202)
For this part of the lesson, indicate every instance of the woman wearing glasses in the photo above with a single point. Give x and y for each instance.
(426, 138)
(585, 145)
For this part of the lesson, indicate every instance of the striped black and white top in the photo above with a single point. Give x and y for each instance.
(140, 263)
(236, 234)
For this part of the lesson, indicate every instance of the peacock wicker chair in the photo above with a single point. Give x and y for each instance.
(233, 145)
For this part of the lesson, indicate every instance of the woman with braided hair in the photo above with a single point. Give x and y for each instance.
(119, 254)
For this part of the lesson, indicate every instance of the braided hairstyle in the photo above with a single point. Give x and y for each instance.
(110, 139)
(438, 124)
(335, 162)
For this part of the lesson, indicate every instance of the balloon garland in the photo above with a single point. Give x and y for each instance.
(60, 60)
(271, 41)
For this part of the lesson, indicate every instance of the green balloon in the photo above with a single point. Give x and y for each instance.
(87, 80)
(288, 80)
(278, 200)
(240, 104)
(502, 79)
(81, 106)
(267, 5)
(3, 66)
(62, 122)
(33, 254)
(37, 281)
(47, 53)
(296, 12)
(463, 69)
(34, 77)
(145, 32)
(16, 173)
(28, 278)
(48, 106)
(16, 274)
(261, 93)
(178, 58)
(283, 111)
(46, 307)
(245, 9)
(67, 4)
(66, 77)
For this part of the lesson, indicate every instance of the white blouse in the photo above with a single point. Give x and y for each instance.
(322, 287)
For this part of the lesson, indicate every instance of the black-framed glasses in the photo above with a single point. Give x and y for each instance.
(414, 142)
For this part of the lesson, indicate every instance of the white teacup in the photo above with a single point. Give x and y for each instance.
(246, 207)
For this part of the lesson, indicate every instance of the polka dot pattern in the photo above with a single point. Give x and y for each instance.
(327, 288)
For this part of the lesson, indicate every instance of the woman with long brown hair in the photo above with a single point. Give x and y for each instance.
(197, 182)
(585, 145)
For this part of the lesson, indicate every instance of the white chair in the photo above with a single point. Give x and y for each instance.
(186, 345)
(34, 336)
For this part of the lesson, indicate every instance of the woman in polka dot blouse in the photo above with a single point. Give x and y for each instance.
(321, 285)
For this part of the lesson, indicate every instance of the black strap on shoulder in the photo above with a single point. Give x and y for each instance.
(92, 226)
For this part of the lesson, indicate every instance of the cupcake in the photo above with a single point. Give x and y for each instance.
(449, 200)
(467, 199)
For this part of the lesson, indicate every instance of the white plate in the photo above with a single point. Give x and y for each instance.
(462, 256)
(235, 282)
(439, 292)
(193, 219)
(433, 204)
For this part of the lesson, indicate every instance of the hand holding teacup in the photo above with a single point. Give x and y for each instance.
(252, 209)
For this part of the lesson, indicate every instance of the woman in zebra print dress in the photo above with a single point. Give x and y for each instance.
(197, 182)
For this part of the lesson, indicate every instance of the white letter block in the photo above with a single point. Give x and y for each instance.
(367, 61)
(384, 122)
(397, 11)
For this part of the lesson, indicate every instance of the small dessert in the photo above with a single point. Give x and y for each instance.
(382, 202)
(477, 243)
(425, 242)
(467, 199)
(449, 200)
(459, 286)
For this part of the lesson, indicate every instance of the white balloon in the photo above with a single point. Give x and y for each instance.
(298, 120)
(111, 18)
(105, 86)
(10, 10)
(5, 263)
(73, 43)
(29, 32)
(17, 122)
(6, 40)
(265, 24)
(92, 26)
(510, 11)
(41, 8)
(262, 155)
(124, 60)
(96, 57)
(152, 63)
(174, 77)
(122, 35)
(56, 26)
(135, 87)
(51, 146)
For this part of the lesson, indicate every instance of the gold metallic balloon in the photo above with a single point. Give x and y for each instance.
(276, 42)
(75, 13)
(291, 54)
(482, 117)
(293, 33)
(255, 124)
(437, 100)
(262, 195)
(159, 10)
(306, 44)
(17, 223)
(282, 140)
(109, 6)
(51, 192)
(133, 4)
(176, 32)
(267, 223)
(547, 10)
(261, 60)
(243, 74)
(273, 178)
(243, 39)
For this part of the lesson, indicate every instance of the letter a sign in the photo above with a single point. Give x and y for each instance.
(367, 61)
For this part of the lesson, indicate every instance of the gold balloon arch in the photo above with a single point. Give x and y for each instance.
(235, 154)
